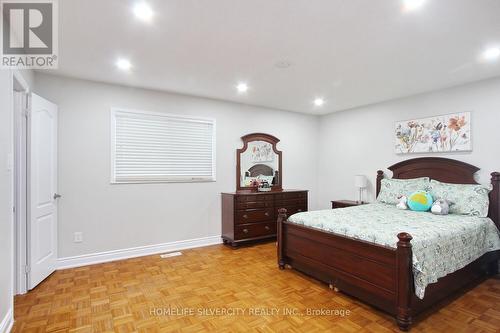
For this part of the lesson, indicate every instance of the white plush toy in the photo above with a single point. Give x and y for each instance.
(403, 200)
(441, 207)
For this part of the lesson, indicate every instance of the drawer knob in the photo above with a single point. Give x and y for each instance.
(299, 210)
(267, 227)
(245, 231)
(245, 216)
(267, 214)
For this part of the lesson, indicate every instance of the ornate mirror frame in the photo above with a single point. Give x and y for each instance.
(258, 137)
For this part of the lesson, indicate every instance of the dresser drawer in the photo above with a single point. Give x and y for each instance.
(291, 195)
(254, 204)
(253, 198)
(255, 230)
(254, 215)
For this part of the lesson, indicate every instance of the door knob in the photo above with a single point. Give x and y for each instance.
(57, 196)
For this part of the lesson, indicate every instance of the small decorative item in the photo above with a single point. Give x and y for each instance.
(403, 202)
(360, 182)
(420, 201)
(254, 183)
(446, 133)
(441, 207)
(264, 187)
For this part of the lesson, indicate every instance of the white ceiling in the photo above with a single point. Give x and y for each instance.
(352, 53)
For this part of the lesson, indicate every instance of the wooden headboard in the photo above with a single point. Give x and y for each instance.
(262, 169)
(448, 171)
(259, 169)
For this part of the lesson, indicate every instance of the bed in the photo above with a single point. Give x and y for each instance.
(382, 273)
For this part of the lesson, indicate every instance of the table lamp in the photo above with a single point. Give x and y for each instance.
(360, 182)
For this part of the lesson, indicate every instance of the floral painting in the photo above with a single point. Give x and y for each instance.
(262, 152)
(446, 133)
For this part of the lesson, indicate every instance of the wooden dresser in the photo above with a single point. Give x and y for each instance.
(248, 216)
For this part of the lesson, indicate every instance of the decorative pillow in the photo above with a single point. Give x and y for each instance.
(393, 189)
(467, 199)
(420, 201)
(268, 179)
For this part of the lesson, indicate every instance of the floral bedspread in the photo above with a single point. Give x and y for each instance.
(441, 244)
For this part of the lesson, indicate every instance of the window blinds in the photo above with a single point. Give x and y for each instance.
(156, 147)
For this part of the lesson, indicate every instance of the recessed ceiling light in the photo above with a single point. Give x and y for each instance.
(123, 64)
(319, 101)
(409, 5)
(143, 11)
(492, 53)
(242, 87)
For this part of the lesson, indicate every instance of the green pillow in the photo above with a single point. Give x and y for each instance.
(467, 199)
(420, 201)
(392, 189)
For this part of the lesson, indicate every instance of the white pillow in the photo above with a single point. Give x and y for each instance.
(268, 179)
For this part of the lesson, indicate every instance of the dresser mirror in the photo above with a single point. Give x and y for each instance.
(258, 163)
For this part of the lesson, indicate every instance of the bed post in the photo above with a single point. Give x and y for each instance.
(281, 218)
(380, 176)
(404, 281)
(494, 212)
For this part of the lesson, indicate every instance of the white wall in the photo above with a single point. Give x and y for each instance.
(321, 154)
(360, 141)
(6, 190)
(123, 216)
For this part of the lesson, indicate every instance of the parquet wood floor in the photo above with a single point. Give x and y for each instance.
(122, 297)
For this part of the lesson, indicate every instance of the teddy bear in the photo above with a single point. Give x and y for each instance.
(403, 202)
(441, 207)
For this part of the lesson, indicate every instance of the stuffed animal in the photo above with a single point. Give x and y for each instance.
(403, 200)
(441, 207)
(420, 201)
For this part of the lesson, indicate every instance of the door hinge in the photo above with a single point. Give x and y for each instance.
(27, 269)
(27, 109)
(27, 113)
(14, 209)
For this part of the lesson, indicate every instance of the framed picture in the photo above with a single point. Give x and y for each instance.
(439, 134)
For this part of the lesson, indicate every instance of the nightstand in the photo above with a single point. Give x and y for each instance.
(345, 203)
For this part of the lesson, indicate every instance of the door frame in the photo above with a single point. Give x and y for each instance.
(19, 175)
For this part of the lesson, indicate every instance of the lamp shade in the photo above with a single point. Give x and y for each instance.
(360, 181)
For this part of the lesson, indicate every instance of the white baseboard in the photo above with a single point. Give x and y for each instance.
(97, 258)
(7, 322)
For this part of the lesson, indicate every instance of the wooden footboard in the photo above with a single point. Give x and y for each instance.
(378, 275)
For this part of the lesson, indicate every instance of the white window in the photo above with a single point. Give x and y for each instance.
(150, 147)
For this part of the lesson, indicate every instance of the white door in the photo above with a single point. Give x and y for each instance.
(42, 188)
